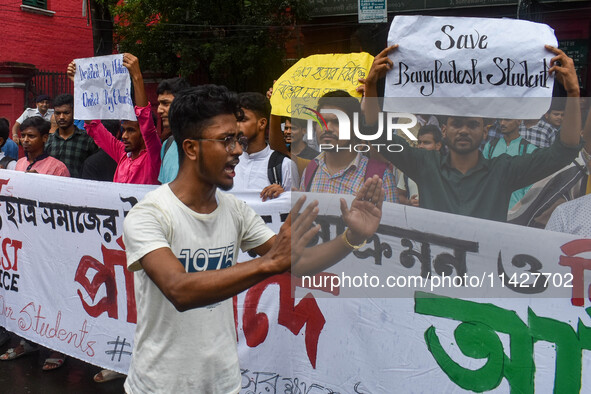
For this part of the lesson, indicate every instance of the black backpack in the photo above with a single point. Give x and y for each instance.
(274, 167)
(493, 143)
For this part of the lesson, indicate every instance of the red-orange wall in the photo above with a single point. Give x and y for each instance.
(47, 42)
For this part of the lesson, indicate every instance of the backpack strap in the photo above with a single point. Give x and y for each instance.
(491, 146)
(406, 186)
(310, 171)
(5, 161)
(167, 145)
(274, 167)
(375, 167)
(523, 146)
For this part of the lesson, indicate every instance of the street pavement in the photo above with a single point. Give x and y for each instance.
(25, 376)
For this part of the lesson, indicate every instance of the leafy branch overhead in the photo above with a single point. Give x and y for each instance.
(236, 43)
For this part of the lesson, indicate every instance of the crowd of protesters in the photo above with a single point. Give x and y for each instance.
(471, 166)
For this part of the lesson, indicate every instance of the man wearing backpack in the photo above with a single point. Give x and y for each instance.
(260, 168)
(342, 170)
(512, 144)
(169, 154)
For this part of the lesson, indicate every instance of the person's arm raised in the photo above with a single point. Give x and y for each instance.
(133, 65)
(276, 139)
(362, 220)
(380, 66)
(563, 68)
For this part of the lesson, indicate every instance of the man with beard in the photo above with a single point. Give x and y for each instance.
(463, 181)
(69, 144)
(339, 168)
(138, 153)
(261, 169)
(294, 132)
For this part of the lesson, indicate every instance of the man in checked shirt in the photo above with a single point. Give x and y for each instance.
(69, 144)
(544, 133)
(341, 169)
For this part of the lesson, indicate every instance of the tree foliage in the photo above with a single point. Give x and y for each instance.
(237, 43)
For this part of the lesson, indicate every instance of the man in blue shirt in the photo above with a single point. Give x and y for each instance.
(512, 144)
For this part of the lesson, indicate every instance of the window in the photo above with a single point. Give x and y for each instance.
(36, 7)
(36, 3)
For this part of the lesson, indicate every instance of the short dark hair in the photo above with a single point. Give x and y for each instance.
(299, 123)
(64, 99)
(112, 126)
(342, 100)
(193, 108)
(433, 130)
(38, 123)
(172, 86)
(4, 129)
(256, 103)
(42, 97)
(485, 121)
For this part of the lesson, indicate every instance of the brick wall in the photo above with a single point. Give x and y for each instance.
(48, 42)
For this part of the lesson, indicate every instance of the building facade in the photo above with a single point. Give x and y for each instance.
(38, 40)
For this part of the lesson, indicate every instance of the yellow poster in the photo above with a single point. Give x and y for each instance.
(315, 75)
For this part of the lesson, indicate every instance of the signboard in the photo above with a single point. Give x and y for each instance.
(102, 89)
(372, 11)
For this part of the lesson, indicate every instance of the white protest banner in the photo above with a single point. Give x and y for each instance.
(63, 277)
(470, 67)
(64, 285)
(102, 89)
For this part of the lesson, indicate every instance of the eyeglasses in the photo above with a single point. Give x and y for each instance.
(229, 142)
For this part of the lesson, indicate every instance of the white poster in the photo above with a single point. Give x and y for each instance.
(469, 67)
(102, 89)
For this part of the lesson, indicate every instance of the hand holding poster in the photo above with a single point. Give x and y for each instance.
(471, 60)
(316, 75)
(102, 89)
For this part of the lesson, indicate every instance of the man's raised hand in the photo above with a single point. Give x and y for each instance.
(365, 214)
(293, 237)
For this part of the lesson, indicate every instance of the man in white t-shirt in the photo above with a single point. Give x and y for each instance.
(183, 239)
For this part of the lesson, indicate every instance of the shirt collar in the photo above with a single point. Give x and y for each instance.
(38, 158)
(354, 164)
(259, 154)
(138, 156)
(482, 163)
(76, 131)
